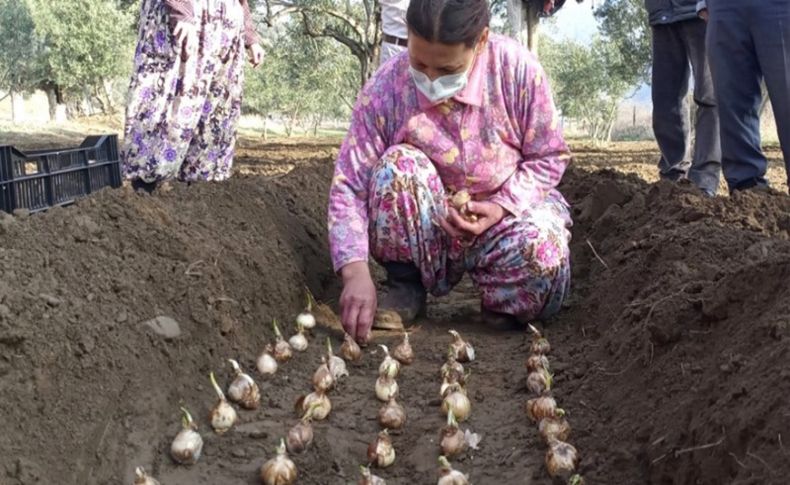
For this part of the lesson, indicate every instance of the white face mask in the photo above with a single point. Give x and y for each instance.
(441, 88)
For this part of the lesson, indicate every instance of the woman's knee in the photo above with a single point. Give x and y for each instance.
(403, 161)
(549, 253)
(546, 260)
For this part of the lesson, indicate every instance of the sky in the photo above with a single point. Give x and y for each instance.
(574, 21)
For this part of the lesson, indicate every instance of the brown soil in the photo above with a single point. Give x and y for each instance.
(671, 358)
(677, 352)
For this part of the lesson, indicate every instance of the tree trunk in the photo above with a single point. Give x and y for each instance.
(13, 108)
(90, 105)
(517, 15)
(100, 100)
(533, 24)
(107, 98)
(364, 62)
(289, 127)
(524, 23)
(611, 118)
(265, 128)
(692, 111)
(610, 121)
(764, 101)
(52, 98)
(316, 124)
(374, 58)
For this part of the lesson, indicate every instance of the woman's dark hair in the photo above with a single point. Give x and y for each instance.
(449, 21)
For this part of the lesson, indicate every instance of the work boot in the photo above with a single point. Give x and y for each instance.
(401, 298)
(501, 321)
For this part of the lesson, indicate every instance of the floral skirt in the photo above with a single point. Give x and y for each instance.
(182, 115)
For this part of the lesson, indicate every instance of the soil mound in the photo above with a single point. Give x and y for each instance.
(87, 385)
(678, 344)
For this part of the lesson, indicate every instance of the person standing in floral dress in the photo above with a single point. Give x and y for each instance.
(466, 110)
(186, 90)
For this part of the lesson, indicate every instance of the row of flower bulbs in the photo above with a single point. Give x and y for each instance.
(455, 405)
(562, 459)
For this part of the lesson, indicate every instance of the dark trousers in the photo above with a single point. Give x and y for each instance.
(679, 52)
(749, 41)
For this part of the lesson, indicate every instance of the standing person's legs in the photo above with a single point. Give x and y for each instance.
(736, 81)
(161, 113)
(772, 43)
(210, 154)
(670, 87)
(705, 168)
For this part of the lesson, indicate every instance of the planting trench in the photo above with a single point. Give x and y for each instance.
(671, 358)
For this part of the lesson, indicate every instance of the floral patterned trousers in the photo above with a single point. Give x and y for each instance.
(182, 114)
(521, 266)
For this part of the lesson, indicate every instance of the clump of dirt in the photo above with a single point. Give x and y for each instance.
(670, 359)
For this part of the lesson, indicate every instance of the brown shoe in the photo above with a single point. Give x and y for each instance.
(401, 298)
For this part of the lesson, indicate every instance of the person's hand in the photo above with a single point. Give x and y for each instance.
(358, 301)
(186, 35)
(488, 215)
(255, 53)
(703, 14)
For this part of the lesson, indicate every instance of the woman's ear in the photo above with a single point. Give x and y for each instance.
(483, 38)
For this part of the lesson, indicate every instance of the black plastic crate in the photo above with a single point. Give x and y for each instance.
(38, 179)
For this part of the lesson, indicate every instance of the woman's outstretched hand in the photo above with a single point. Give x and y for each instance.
(358, 301)
(488, 215)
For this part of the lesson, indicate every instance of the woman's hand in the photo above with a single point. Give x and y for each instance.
(488, 215)
(186, 35)
(358, 301)
(255, 53)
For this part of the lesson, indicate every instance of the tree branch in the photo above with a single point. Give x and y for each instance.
(356, 47)
(343, 17)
